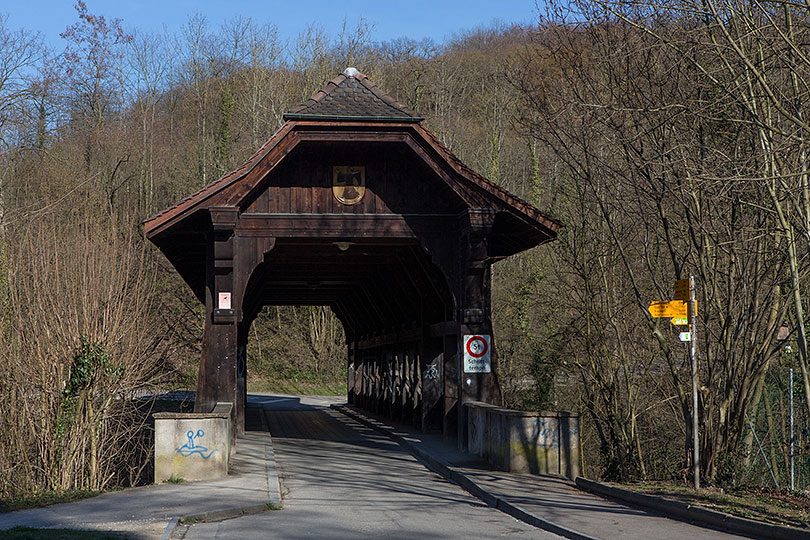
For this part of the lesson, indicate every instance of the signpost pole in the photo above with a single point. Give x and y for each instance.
(790, 386)
(693, 349)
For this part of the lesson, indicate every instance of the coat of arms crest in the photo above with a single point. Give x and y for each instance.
(349, 183)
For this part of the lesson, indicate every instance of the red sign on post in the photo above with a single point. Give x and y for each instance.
(476, 354)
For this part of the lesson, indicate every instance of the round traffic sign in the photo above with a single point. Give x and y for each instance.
(476, 346)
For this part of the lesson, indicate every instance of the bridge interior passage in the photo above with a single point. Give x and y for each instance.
(369, 284)
(355, 205)
(393, 303)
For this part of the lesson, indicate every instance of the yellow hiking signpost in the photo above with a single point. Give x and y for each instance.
(677, 310)
(668, 309)
(683, 311)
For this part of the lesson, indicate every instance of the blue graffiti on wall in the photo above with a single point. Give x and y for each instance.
(545, 433)
(192, 448)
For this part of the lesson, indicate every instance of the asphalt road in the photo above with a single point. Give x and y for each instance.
(341, 480)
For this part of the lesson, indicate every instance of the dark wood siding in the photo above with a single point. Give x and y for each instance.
(396, 183)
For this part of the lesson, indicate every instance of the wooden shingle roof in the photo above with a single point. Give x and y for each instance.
(352, 96)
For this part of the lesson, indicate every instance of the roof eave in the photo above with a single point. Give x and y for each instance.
(518, 205)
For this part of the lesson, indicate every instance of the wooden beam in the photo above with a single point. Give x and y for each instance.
(446, 328)
(343, 226)
(391, 338)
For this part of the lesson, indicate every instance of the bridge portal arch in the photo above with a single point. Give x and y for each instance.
(353, 204)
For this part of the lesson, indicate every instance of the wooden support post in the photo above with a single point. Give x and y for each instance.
(379, 382)
(403, 383)
(450, 380)
(385, 383)
(218, 369)
(240, 404)
(432, 389)
(402, 358)
(374, 379)
(367, 374)
(475, 314)
(390, 380)
(351, 370)
(216, 379)
(406, 396)
(359, 377)
(414, 388)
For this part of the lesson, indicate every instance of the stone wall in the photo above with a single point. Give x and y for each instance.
(528, 442)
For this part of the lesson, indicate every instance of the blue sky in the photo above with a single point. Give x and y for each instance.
(416, 19)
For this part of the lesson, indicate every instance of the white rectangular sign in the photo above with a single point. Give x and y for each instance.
(224, 300)
(685, 336)
(476, 354)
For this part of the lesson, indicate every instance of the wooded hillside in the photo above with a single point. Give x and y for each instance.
(669, 138)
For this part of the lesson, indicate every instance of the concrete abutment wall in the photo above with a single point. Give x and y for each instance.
(542, 442)
(193, 446)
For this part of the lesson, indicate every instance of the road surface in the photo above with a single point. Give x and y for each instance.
(341, 480)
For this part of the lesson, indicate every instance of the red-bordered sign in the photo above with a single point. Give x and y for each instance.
(476, 354)
(477, 346)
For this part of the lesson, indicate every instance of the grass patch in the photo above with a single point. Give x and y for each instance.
(27, 533)
(175, 479)
(273, 506)
(47, 498)
(297, 387)
(780, 507)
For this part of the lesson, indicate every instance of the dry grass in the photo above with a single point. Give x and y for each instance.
(780, 507)
(47, 498)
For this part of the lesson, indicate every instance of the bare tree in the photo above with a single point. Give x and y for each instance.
(659, 166)
(261, 102)
(81, 348)
(196, 52)
(149, 60)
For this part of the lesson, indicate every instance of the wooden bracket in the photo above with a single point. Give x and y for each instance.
(474, 316)
(224, 218)
(223, 316)
(477, 220)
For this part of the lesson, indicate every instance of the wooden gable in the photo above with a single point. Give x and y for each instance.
(395, 183)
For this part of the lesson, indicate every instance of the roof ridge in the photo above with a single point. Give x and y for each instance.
(340, 100)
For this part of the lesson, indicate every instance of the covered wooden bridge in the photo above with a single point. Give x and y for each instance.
(355, 205)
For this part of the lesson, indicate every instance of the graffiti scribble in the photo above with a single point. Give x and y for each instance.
(192, 448)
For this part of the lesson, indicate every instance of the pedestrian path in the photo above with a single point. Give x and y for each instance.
(551, 502)
(342, 480)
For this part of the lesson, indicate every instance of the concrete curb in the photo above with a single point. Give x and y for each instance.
(228, 513)
(273, 495)
(271, 469)
(693, 514)
(454, 475)
(167, 533)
